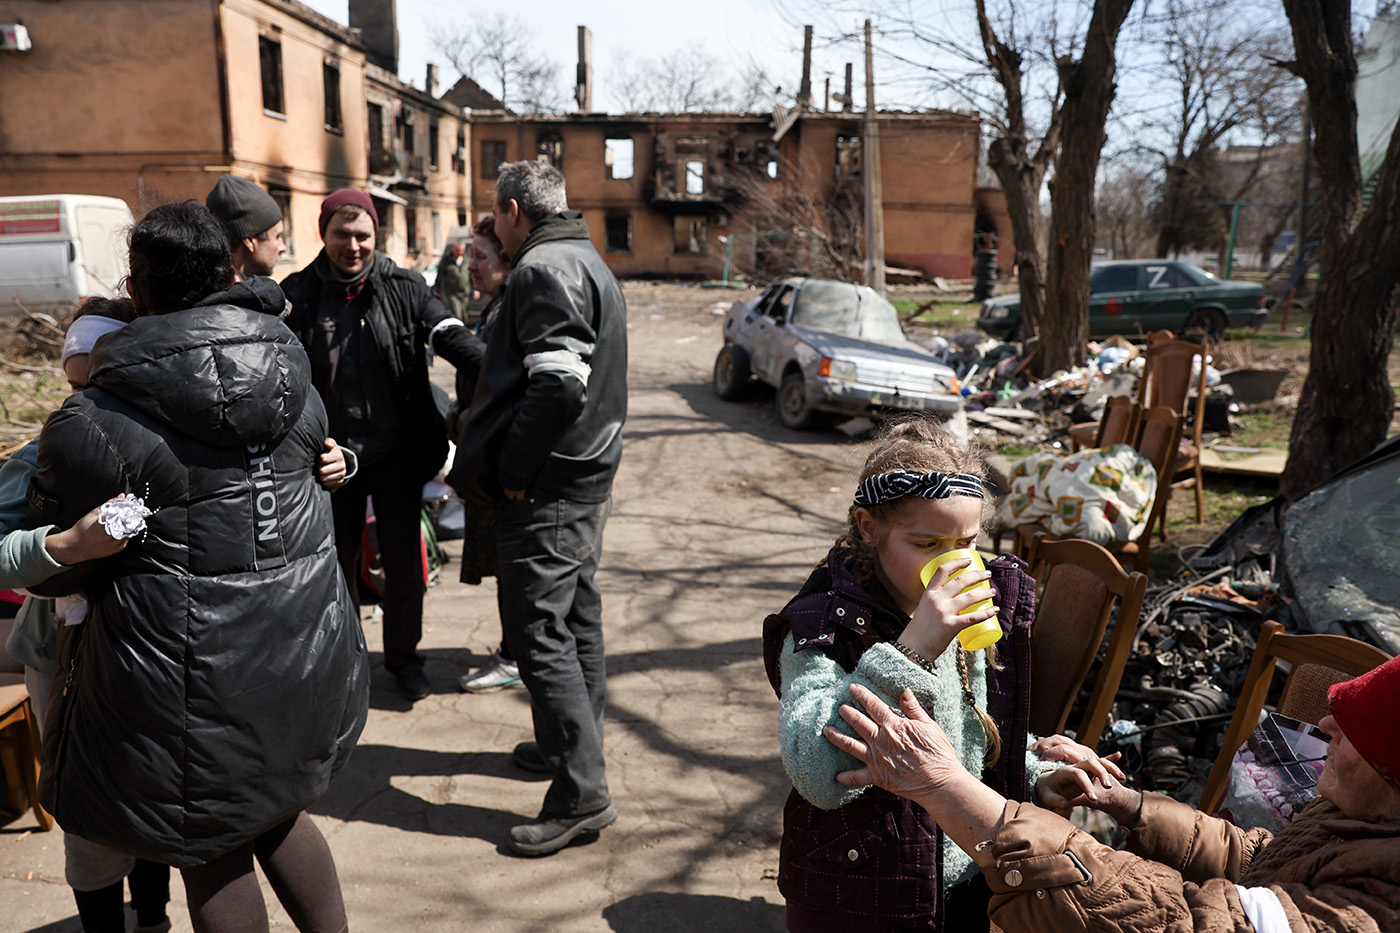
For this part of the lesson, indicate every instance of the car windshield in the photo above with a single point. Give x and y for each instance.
(851, 310)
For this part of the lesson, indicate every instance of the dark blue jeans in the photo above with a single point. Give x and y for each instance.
(552, 614)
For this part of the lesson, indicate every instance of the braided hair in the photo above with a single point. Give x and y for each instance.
(921, 445)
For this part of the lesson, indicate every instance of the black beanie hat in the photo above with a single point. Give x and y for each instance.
(242, 207)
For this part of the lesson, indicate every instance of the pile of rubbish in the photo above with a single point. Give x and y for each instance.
(1321, 564)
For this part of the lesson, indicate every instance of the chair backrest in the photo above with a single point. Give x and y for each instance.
(1167, 371)
(1159, 433)
(1118, 423)
(1318, 662)
(1079, 585)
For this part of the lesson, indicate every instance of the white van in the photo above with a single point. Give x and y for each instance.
(58, 248)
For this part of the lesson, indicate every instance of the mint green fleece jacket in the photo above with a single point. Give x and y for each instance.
(24, 561)
(815, 686)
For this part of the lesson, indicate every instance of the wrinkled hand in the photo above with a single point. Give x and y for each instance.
(1063, 748)
(86, 540)
(942, 610)
(330, 471)
(909, 756)
(1089, 784)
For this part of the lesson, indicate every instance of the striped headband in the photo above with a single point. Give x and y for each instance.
(887, 487)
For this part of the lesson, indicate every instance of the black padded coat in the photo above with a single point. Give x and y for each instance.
(219, 680)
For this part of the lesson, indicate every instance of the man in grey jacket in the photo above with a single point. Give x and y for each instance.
(543, 438)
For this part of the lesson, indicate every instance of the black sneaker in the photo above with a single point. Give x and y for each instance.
(413, 683)
(546, 835)
(527, 757)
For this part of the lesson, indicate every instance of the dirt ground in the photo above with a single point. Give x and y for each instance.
(719, 513)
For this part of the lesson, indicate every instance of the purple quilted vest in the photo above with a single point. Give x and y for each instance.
(880, 857)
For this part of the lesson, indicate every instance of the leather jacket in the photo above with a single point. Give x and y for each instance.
(548, 409)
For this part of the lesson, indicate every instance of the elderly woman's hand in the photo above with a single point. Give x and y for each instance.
(1084, 785)
(1063, 748)
(909, 756)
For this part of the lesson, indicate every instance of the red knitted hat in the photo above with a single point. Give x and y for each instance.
(1364, 709)
(341, 197)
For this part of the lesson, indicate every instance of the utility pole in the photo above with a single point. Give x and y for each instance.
(870, 172)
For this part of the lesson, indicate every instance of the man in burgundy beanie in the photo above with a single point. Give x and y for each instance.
(367, 325)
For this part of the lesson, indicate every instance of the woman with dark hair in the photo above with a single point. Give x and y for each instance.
(225, 611)
(489, 269)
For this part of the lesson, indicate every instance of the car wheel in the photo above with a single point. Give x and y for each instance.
(793, 409)
(731, 372)
(1210, 321)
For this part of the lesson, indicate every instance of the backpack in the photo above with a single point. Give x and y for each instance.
(371, 582)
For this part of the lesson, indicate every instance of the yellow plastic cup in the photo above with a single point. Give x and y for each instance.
(985, 633)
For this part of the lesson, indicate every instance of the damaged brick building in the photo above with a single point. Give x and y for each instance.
(695, 195)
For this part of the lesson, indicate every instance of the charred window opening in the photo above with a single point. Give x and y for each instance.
(618, 233)
(330, 77)
(694, 176)
(493, 156)
(459, 155)
(690, 233)
(617, 156)
(848, 157)
(433, 144)
(375, 118)
(550, 148)
(270, 58)
(406, 130)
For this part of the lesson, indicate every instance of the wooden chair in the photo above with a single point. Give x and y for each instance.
(19, 752)
(1079, 584)
(1158, 433)
(1167, 379)
(1318, 661)
(1117, 425)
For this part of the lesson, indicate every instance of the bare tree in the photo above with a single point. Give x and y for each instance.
(1347, 402)
(1088, 84)
(1125, 224)
(687, 80)
(1215, 59)
(1020, 163)
(500, 52)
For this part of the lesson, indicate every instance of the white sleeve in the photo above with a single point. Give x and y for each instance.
(1263, 909)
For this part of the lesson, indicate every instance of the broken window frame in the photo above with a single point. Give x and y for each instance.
(617, 233)
(850, 157)
(690, 234)
(549, 147)
(612, 157)
(493, 156)
(434, 140)
(330, 81)
(270, 66)
(694, 170)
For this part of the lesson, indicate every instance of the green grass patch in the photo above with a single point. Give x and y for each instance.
(1016, 451)
(1259, 427)
(1225, 498)
(938, 311)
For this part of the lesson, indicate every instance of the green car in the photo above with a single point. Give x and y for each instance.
(1136, 297)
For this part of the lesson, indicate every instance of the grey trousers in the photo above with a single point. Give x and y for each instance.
(552, 614)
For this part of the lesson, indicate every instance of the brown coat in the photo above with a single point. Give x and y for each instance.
(1329, 872)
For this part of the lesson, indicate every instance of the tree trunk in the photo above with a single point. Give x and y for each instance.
(1089, 89)
(1021, 178)
(1347, 403)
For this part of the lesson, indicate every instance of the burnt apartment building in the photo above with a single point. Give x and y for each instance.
(152, 100)
(695, 195)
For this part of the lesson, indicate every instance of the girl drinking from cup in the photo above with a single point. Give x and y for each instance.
(859, 858)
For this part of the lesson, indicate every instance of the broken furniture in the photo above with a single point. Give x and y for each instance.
(1117, 425)
(19, 737)
(1168, 376)
(1158, 434)
(1080, 584)
(1318, 662)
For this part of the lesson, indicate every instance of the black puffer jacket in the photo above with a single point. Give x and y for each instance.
(404, 319)
(549, 406)
(220, 679)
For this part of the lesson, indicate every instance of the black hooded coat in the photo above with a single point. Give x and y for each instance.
(219, 680)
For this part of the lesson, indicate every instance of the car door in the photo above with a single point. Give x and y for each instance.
(770, 336)
(1168, 297)
(1113, 300)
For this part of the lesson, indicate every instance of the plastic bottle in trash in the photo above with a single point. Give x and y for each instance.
(986, 633)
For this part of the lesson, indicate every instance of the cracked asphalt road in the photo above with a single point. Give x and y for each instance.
(719, 513)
